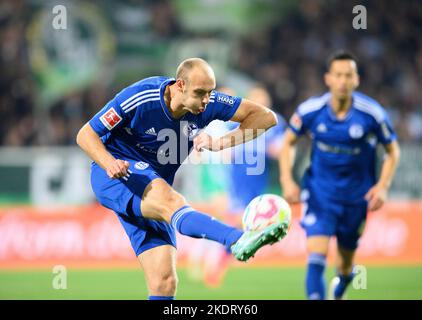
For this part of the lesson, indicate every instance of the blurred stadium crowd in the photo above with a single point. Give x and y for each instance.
(288, 57)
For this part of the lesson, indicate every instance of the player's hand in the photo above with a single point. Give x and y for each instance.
(376, 197)
(204, 141)
(291, 192)
(117, 169)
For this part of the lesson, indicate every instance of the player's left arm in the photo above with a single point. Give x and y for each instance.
(377, 195)
(254, 120)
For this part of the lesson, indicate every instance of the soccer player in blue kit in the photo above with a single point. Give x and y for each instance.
(246, 180)
(244, 185)
(340, 185)
(138, 141)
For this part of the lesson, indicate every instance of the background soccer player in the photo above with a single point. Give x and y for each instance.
(340, 184)
(243, 186)
(246, 186)
(138, 141)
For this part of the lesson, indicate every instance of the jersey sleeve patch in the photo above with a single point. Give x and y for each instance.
(296, 122)
(385, 131)
(110, 119)
(225, 99)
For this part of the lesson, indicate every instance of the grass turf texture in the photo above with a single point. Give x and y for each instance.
(241, 283)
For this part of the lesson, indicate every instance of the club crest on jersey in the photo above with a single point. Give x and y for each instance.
(356, 131)
(141, 165)
(110, 119)
(190, 130)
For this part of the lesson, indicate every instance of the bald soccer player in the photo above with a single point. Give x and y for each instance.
(138, 141)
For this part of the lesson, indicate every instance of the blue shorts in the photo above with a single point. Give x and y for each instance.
(326, 217)
(123, 196)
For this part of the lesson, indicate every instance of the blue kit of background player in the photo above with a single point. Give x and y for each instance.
(343, 164)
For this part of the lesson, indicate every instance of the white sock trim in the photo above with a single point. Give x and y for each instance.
(175, 218)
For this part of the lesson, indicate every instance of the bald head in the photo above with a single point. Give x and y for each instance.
(196, 66)
(195, 80)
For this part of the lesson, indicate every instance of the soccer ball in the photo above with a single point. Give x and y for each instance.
(265, 210)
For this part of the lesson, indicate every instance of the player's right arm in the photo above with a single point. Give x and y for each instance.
(291, 190)
(90, 142)
(115, 114)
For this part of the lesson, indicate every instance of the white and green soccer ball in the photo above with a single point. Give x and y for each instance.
(265, 210)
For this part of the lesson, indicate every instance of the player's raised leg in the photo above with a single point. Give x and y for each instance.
(317, 255)
(159, 265)
(344, 268)
(161, 202)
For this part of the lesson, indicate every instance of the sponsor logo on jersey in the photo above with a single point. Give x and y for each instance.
(143, 148)
(337, 149)
(141, 165)
(151, 131)
(110, 119)
(225, 99)
(372, 140)
(356, 131)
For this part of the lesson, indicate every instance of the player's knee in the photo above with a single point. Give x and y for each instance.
(161, 201)
(318, 244)
(164, 285)
(171, 201)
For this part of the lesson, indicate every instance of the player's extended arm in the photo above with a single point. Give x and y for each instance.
(377, 195)
(254, 120)
(291, 190)
(91, 143)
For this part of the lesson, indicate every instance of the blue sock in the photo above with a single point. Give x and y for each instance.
(315, 283)
(161, 298)
(342, 285)
(198, 225)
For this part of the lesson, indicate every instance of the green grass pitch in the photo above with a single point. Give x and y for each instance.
(241, 283)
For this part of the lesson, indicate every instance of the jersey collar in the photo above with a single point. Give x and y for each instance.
(332, 115)
(163, 104)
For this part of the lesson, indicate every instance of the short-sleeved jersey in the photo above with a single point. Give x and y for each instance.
(137, 125)
(343, 158)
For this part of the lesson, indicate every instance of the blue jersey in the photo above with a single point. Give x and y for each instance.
(244, 187)
(137, 125)
(343, 158)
